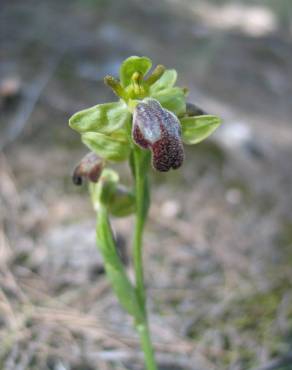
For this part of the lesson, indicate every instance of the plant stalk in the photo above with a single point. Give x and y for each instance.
(140, 169)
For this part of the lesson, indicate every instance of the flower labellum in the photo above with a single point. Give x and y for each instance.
(89, 167)
(159, 130)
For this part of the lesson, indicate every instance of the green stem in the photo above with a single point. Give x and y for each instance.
(138, 238)
(140, 170)
(146, 344)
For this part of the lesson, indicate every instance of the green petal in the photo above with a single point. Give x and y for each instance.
(172, 99)
(131, 65)
(113, 148)
(103, 118)
(198, 128)
(167, 80)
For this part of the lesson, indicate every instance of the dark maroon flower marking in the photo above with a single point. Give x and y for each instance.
(89, 167)
(158, 129)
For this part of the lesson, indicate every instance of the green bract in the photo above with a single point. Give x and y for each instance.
(118, 200)
(103, 192)
(123, 203)
(196, 129)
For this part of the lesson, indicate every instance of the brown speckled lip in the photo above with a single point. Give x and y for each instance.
(167, 153)
(166, 146)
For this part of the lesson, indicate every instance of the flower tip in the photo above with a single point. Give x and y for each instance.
(108, 79)
(156, 74)
(77, 180)
(159, 70)
(115, 85)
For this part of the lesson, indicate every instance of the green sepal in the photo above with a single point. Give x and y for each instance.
(172, 99)
(115, 270)
(198, 128)
(113, 148)
(166, 81)
(102, 118)
(131, 65)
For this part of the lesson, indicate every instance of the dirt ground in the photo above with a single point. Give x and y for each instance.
(218, 244)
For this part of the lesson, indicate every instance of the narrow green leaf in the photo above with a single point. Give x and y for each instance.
(198, 128)
(172, 99)
(167, 80)
(131, 65)
(115, 270)
(113, 148)
(103, 118)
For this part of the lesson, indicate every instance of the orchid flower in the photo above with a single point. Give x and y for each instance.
(150, 122)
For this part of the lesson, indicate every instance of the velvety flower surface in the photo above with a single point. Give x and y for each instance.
(159, 130)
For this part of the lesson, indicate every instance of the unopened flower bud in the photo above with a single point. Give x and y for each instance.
(89, 167)
(159, 130)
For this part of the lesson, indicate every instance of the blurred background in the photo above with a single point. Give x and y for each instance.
(218, 244)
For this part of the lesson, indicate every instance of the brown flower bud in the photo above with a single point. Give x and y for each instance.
(89, 167)
(159, 130)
